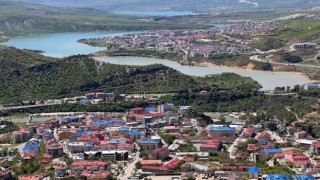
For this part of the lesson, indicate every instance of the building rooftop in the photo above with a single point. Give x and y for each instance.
(222, 129)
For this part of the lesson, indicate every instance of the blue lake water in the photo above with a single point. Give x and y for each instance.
(65, 44)
(59, 44)
(154, 13)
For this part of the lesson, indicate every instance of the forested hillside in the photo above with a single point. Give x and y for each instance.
(26, 75)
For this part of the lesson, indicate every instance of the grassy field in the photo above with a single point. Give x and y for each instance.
(290, 32)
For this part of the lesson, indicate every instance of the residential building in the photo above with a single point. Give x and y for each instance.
(211, 145)
(297, 159)
(149, 144)
(160, 153)
(240, 157)
(254, 173)
(277, 176)
(151, 162)
(56, 150)
(248, 133)
(305, 46)
(315, 147)
(5, 175)
(223, 133)
(263, 138)
(77, 168)
(300, 135)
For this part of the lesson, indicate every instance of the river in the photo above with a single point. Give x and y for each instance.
(155, 13)
(65, 44)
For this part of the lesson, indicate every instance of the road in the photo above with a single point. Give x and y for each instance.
(130, 169)
(256, 58)
(22, 107)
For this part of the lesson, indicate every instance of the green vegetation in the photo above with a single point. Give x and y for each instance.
(166, 137)
(243, 99)
(35, 166)
(186, 148)
(269, 44)
(289, 32)
(8, 127)
(292, 59)
(191, 5)
(18, 19)
(26, 75)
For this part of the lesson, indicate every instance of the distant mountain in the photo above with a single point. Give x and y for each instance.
(181, 5)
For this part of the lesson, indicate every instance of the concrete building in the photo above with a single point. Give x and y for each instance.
(315, 147)
(76, 147)
(149, 144)
(223, 133)
(5, 175)
(56, 150)
(160, 153)
(117, 155)
(300, 135)
(165, 107)
(77, 168)
(305, 46)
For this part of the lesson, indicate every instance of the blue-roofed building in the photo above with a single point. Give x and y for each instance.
(135, 135)
(253, 172)
(303, 177)
(223, 133)
(149, 144)
(311, 86)
(123, 129)
(31, 145)
(72, 117)
(148, 109)
(117, 141)
(102, 123)
(84, 101)
(80, 133)
(272, 151)
(277, 177)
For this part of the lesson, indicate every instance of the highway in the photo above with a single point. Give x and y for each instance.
(256, 58)
(23, 107)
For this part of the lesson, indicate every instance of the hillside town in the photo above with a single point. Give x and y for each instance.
(160, 143)
(230, 39)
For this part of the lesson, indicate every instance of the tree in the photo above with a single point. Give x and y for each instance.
(138, 165)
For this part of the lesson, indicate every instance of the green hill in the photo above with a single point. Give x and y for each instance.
(26, 75)
(19, 18)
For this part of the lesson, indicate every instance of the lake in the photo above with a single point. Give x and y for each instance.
(154, 13)
(65, 44)
(59, 44)
(269, 80)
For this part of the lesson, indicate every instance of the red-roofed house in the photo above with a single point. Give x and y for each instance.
(315, 147)
(46, 158)
(173, 164)
(160, 153)
(33, 177)
(249, 132)
(80, 166)
(212, 145)
(252, 148)
(151, 162)
(6, 175)
(297, 159)
(300, 135)
(279, 155)
(263, 138)
(171, 129)
(290, 129)
(240, 157)
(154, 169)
